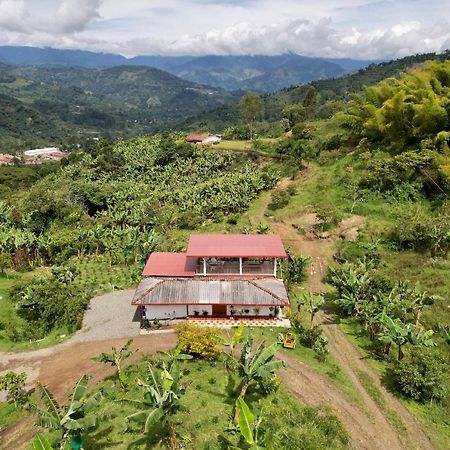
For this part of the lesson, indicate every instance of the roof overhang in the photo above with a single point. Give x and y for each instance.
(191, 291)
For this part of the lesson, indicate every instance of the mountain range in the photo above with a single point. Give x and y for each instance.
(59, 105)
(258, 73)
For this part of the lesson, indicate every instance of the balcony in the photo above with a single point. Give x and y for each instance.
(250, 266)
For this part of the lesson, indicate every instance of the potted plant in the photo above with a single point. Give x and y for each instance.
(246, 311)
(204, 312)
(256, 311)
(196, 313)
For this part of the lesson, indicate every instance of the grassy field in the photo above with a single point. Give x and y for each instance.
(204, 418)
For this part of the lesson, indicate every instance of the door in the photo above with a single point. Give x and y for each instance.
(219, 310)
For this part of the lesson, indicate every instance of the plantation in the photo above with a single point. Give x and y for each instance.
(363, 210)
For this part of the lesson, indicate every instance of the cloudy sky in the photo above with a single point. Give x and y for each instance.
(333, 28)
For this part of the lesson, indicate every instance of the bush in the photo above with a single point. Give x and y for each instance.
(307, 336)
(14, 385)
(197, 341)
(280, 199)
(423, 374)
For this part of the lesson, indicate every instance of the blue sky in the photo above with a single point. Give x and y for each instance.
(333, 28)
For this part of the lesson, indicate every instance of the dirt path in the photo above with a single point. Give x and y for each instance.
(370, 429)
(366, 432)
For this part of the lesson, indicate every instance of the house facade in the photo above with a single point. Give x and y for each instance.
(220, 275)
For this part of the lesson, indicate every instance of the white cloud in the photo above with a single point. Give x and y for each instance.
(344, 28)
(63, 17)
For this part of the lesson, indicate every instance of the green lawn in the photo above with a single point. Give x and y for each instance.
(204, 419)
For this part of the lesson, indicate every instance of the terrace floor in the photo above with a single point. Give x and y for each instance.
(229, 322)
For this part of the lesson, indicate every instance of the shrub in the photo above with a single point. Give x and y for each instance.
(320, 348)
(423, 374)
(307, 336)
(197, 341)
(280, 199)
(14, 385)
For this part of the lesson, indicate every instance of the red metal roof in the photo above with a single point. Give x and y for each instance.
(235, 246)
(196, 137)
(170, 264)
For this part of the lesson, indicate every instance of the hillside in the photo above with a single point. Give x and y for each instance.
(63, 105)
(328, 90)
(253, 72)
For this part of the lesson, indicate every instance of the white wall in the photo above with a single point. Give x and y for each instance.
(200, 309)
(263, 310)
(165, 311)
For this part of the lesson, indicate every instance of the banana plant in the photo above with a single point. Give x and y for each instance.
(160, 400)
(175, 355)
(256, 367)
(418, 336)
(249, 426)
(313, 304)
(232, 341)
(73, 420)
(115, 359)
(395, 332)
(40, 442)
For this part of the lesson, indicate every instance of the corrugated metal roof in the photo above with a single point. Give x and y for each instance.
(235, 246)
(186, 291)
(170, 264)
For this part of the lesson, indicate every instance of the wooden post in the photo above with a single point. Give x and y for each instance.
(275, 268)
(240, 266)
(204, 266)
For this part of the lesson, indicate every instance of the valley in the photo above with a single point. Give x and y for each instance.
(352, 173)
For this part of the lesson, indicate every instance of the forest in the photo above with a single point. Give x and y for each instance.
(372, 150)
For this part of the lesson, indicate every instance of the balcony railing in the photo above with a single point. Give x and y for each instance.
(232, 267)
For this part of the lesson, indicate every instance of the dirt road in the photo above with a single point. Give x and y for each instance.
(368, 429)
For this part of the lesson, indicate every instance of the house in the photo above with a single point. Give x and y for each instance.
(203, 139)
(6, 160)
(220, 275)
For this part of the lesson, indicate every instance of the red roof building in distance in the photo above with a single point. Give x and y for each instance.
(196, 138)
(161, 264)
(235, 246)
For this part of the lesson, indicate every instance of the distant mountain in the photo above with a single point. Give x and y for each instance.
(329, 89)
(249, 72)
(59, 105)
(36, 56)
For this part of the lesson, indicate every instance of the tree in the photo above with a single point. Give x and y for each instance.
(250, 108)
(257, 367)
(160, 400)
(14, 385)
(310, 102)
(116, 358)
(423, 374)
(313, 304)
(73, 420)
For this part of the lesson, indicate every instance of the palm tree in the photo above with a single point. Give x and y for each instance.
(115, 359)
(160, 400)
(257, 367)
(71, 421)
(313, 304)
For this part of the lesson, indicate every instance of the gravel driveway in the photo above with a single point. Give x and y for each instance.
(109, 316)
